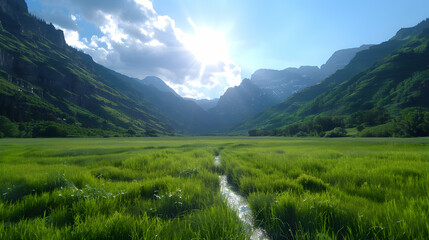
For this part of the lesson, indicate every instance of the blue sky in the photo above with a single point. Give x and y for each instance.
(278, 34)
(257, 34)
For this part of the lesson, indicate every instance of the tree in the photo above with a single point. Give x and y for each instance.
(337, 132)
(8, 128)
(53, 131)
(253, 132)
(415, 123)
(131, 131)
(151, 132)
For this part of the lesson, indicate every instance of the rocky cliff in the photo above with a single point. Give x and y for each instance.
(15, 19)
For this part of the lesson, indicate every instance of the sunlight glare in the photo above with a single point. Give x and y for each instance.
(208, 46)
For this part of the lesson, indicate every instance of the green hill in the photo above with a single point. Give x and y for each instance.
(391, 76)
(46, 84)
(50, 89)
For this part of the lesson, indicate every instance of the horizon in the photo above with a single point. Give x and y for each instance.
(201, 49)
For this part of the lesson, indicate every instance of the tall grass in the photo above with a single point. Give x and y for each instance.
(168, 188)
(112, 189)
(335, 189)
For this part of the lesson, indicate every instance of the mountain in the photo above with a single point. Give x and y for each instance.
(268, 87)
(44, 80)
(187, 115)
(241, 102)
(281, 84)
(284, 83)
(158, 84)
(341, 58)
(51, 89)
(390, 77)
(205, 103)
(184, 115)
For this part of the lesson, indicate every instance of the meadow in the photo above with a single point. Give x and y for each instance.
(168, 188)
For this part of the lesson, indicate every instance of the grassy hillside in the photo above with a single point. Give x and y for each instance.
(399, 81)
(45, 82)
(42, 79)
(391, 75)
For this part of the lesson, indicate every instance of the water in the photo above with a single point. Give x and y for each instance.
(217, 160)
(240, 205)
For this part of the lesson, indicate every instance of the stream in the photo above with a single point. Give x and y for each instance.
(240, 205)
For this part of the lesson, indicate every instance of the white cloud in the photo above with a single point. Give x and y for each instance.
(138, 42)
(72, 39)
(58, 17)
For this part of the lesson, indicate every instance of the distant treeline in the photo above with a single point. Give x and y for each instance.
(411, 122)
(54, 129)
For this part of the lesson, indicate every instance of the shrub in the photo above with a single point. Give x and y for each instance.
(54, 131)
(151, 133)
(314, 127)
(254, 133)
(414, 123)
(301, 134)
(131, 132)
(8, 128)
(49, 129)
(337, 132)
(372, 117)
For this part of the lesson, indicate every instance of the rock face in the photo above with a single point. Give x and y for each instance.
(240, 102)
(268, 87)
(43, 79)
(282, 84)
(340, 59)
(15, 19)
(6, 59)
(13, 7)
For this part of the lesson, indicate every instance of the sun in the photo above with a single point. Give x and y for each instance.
(208, 46)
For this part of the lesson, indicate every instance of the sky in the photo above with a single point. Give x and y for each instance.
(202, 47)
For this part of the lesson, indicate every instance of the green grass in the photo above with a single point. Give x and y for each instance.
(168, 188)
(340, 188)
(112, 189)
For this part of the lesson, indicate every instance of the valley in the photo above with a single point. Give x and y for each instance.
(117, 122)
(49, 89)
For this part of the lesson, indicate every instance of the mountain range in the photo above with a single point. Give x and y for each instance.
(387, 78)
(48, 88)
(268, 87)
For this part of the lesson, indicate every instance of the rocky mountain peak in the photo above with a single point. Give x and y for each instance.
(14, 17)
(13, 7)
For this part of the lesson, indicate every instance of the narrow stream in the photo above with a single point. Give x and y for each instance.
(240, 205)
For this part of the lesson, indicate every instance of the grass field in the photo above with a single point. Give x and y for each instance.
(168, 188)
